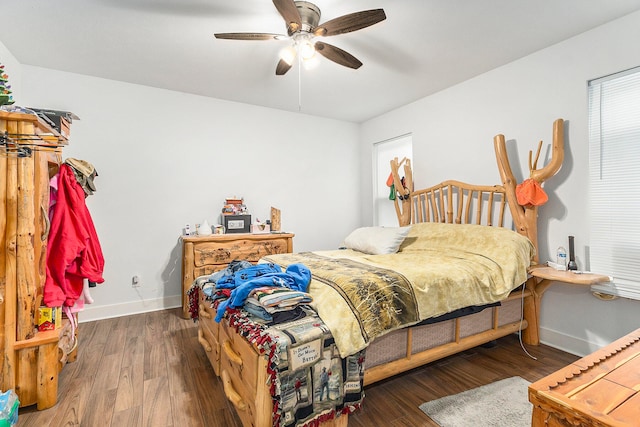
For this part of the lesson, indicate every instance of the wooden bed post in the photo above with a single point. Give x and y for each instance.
(526, 218)
(402, 202)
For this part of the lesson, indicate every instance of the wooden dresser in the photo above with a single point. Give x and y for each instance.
(30, 153)
(203, 255)
(602, 389)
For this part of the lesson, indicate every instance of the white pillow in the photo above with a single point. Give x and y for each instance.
(376, 240)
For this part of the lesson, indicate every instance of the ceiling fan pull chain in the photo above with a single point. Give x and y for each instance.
(299, 83)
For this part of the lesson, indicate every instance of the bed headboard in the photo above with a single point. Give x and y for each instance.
(457, 202)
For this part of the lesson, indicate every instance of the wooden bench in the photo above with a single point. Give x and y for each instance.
(601, 389)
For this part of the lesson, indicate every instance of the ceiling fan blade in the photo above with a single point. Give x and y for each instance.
(282, 67)
(249, 36)
(338, 55)
(351, 22)
(289, 12)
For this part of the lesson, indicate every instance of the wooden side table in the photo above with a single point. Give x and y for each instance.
(541, 277)
(601, 389)
(203, 255)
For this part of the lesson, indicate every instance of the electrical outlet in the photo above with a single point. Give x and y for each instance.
(136, 282)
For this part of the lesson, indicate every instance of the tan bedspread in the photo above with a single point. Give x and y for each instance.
(448, 266)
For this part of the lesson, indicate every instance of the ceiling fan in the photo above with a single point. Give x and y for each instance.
(302, 20)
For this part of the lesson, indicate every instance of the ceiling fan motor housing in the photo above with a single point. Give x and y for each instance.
(309, 15)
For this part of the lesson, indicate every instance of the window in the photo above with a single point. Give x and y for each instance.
(384, 211)
(614, 181)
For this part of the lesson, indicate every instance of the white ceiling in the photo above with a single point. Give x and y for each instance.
(422, 47)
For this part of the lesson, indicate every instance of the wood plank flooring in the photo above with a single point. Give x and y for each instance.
(149, 370)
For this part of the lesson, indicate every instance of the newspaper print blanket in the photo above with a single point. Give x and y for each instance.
(379, 299)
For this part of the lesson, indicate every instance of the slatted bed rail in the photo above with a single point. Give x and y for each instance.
(421, 344)
(461, 203)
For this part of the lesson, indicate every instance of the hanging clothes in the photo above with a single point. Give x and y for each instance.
(74, 251)
(530, 193)
(85, 173)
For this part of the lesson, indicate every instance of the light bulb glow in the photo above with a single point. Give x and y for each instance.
(307, 50)
(311, 63)
(288, 54)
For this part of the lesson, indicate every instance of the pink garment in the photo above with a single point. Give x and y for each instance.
(74, 251)
(53, 194)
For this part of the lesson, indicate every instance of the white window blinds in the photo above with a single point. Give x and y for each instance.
(614, 184)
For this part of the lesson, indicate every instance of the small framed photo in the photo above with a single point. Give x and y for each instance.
(237, 223)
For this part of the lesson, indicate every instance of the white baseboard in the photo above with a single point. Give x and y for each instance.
(578, 346)
(99, 312)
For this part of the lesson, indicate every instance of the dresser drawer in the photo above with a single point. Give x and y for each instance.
(223, 252)
(208, 332)
(240, 356)
(205, 311)
(210, 345)
(239, 364)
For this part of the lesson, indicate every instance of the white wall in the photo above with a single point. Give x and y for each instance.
(13, 68)
(453, 139)
(167, 158)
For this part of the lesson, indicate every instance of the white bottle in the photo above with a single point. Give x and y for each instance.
(187, 230)
(561, 256)
(204, 229)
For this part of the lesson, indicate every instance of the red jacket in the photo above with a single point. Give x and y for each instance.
(74, 251)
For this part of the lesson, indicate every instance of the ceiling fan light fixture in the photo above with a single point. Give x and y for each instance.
(307, 50)
(311, 63)
(288, 54)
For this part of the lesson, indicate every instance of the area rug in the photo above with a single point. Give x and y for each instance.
(503, 403)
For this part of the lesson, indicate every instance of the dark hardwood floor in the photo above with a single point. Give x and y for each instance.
(149, 370)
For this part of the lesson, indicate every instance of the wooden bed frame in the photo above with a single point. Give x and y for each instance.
(233, 358)
(456, 202)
